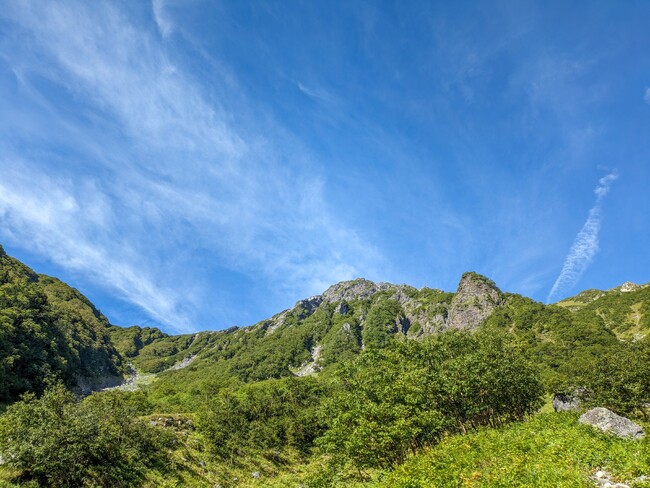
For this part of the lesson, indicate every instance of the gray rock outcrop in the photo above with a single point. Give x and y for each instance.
(567, 402)
(476, 298)
(608, 421)
(358, 289)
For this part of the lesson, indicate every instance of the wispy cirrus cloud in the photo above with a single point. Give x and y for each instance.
(156, 162)
(163, 22)
(585, 245)
(313, 92)
(59, 216)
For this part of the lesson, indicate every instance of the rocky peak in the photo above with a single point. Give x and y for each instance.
(475, 299)
(358, 289)
(628, 286)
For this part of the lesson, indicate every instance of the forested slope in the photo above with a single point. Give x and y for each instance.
(49, 331)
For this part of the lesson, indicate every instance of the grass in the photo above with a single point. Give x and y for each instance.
(550, 450)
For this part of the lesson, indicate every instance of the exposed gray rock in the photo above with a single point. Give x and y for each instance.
(603, 479)
(403, 324)
(312, 366)
(474, 301)
(86, 386)
(342, 308)
(358, 289)
(566, 403)
(184, 363)
(608, 421)
(340, 292)
(403, 294)
(309, 305)
(628, 286)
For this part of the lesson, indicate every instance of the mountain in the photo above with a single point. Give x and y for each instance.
(324, 330)
(316, 333)
(48, 331)
(303, 396)
(51, 329)
(624, 309)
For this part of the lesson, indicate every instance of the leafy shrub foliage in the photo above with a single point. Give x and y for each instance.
(274, 414)
(618, 379)
(58, 441)
(391, 402)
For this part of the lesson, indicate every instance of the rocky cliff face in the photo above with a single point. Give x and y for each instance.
(358, 289)
(475, 299)
(425, 311)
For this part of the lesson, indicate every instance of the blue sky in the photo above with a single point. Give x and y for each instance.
(196, 165)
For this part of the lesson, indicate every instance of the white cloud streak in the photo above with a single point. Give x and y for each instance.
(318, 94)
(646, 97)
(163, 22)
(167, 167)
(58, 220)
(585, 245)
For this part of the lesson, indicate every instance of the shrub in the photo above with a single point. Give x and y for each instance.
(59, 441)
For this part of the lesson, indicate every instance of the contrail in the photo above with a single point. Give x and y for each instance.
(585, 245)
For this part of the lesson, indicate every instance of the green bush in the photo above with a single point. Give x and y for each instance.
(58, 441)
(274, 414)
(391, 402)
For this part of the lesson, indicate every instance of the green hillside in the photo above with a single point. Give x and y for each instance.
(625, 309)
(49, 331)
(367, 384)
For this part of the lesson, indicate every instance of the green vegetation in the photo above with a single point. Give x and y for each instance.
(129, 341)
(551, 450)
(391, 402)
(626, 313)
(57, 441)
(49, 331)
(362, 386)
(263, 417)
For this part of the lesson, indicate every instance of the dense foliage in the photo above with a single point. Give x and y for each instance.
(129, 341)
(627, 313)
(618, 379)
(556, 339)
(48, 330)
(391, 402)
(59, 441)
(265, 416)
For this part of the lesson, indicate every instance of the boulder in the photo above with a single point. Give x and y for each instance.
(608, 421)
